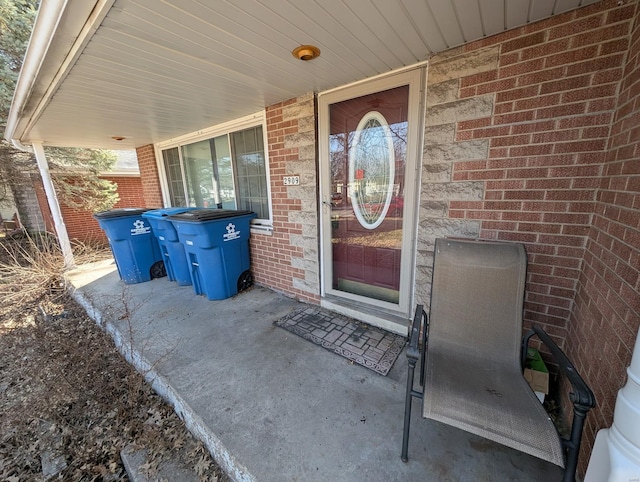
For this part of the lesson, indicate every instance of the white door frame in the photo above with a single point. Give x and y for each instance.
(368, 309)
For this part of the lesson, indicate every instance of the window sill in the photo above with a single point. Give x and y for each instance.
(261, 229)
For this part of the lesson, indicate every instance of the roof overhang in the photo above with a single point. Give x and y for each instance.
(146, 71)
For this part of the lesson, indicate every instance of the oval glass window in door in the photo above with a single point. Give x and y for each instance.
(371, 170)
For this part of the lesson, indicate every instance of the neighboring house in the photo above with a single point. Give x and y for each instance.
(80, 224)
(418, 120)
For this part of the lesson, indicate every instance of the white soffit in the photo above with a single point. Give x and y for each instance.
(156, 69)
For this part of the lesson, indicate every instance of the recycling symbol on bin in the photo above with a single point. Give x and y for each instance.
(139, 228)
(231, 233)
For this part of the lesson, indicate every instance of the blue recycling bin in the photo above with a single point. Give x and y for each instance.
(135, 248)
(216, 242)
(172, 250)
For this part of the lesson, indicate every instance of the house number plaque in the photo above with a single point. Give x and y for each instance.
(291, 180)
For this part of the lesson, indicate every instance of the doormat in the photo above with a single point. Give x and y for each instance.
(363, 344)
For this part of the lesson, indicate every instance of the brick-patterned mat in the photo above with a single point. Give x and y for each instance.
(365, 345)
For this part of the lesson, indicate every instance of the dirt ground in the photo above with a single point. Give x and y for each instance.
(67, 397)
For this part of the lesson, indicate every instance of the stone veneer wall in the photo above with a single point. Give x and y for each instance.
(443, 150)
(287, 260)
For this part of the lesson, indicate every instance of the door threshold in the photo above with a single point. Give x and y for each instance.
(393, 322)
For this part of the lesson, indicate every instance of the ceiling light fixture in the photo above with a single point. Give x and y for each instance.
(117, 138)
(306, 52)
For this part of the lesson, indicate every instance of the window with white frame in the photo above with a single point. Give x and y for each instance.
(227, 171)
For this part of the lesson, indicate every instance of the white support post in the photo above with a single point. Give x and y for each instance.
(54, 206)
(616, 451)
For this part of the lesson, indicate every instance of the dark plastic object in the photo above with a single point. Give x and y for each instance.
(202, 215)
(581, 397)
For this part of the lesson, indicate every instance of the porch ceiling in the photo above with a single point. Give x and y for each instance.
(150, 70)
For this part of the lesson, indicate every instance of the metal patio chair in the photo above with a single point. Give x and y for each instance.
(471, 371)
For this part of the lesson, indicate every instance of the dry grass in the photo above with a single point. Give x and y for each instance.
(65, 391)
(29, 268)
(32, 266)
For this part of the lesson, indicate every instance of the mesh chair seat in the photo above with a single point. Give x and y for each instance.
(490, 401)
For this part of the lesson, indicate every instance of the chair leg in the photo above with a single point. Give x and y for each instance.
(573, 445)
(407, 410)
(423, 352)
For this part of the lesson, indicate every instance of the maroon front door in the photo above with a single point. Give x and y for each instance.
(368, 154)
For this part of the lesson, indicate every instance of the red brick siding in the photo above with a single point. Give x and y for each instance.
(604, 325)
(38, 187)
(563, 177)
(271, 255)
(555, 90)
(150, 176)
(81, 225)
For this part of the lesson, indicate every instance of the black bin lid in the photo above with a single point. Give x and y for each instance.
(201, 215)
(119, 213)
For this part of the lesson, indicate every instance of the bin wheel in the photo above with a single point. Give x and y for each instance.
(158, 270)
(245, 281)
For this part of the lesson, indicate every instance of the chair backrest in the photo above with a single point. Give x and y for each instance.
(477, 299)
(473, 373)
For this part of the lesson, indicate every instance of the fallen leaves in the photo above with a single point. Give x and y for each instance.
(67, 394)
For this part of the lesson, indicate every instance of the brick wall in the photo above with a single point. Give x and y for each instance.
(604, 325)
(43, 205)
(531, 136)
(81, 225)
(150, 176)
(521, 122)
(287, 261)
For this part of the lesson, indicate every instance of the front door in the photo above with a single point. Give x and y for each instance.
(368, 156)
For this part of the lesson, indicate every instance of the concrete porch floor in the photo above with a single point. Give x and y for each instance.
(271, 406)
